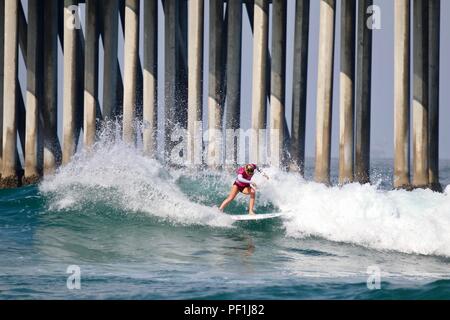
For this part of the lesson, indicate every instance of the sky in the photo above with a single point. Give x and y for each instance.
(382, 126)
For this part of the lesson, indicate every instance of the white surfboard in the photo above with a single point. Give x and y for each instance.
(250, 217)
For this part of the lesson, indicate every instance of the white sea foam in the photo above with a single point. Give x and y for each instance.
(119, 175)
(411, 222)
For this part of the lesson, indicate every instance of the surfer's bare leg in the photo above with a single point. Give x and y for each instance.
(252, 193)
(234, 191)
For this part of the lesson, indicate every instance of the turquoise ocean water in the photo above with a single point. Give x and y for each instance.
(135, 230)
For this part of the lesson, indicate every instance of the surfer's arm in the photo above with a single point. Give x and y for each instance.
(240, 178)
(260, 171)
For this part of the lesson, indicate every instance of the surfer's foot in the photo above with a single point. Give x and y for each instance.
(251, 213)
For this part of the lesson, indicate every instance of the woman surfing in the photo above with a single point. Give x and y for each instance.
(244, 184)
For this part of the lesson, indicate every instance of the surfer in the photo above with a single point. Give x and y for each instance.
(244, 184)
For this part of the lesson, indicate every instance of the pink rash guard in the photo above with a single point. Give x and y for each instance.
(243, 179)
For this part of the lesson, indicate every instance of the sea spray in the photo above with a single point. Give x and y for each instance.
(411, 222)
(118, 174)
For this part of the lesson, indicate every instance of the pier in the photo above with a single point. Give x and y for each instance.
(29, 123)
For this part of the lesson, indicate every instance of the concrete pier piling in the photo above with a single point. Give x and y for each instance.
(131, 55)
(91, 74)
(70, 83)
(347, 83)
(150, 116)
(139, 75)
(109, 31)
(200, 34)
(176, 76)
(195, 79)
(420, 97)
(110, 44)
(182, 65)
(325, 91)
(52, 147)
(234, 60)
(402, 91)
(9, 177)
(278, 82)
(33, 167)
(434, 20)
(299, 93)
(259, 87)
(363, 94)
(215, 107)
(170, 77)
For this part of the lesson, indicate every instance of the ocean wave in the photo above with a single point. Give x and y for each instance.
(118, 174)
(415, 222)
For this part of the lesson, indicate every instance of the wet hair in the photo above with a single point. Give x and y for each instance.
(250, 168)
